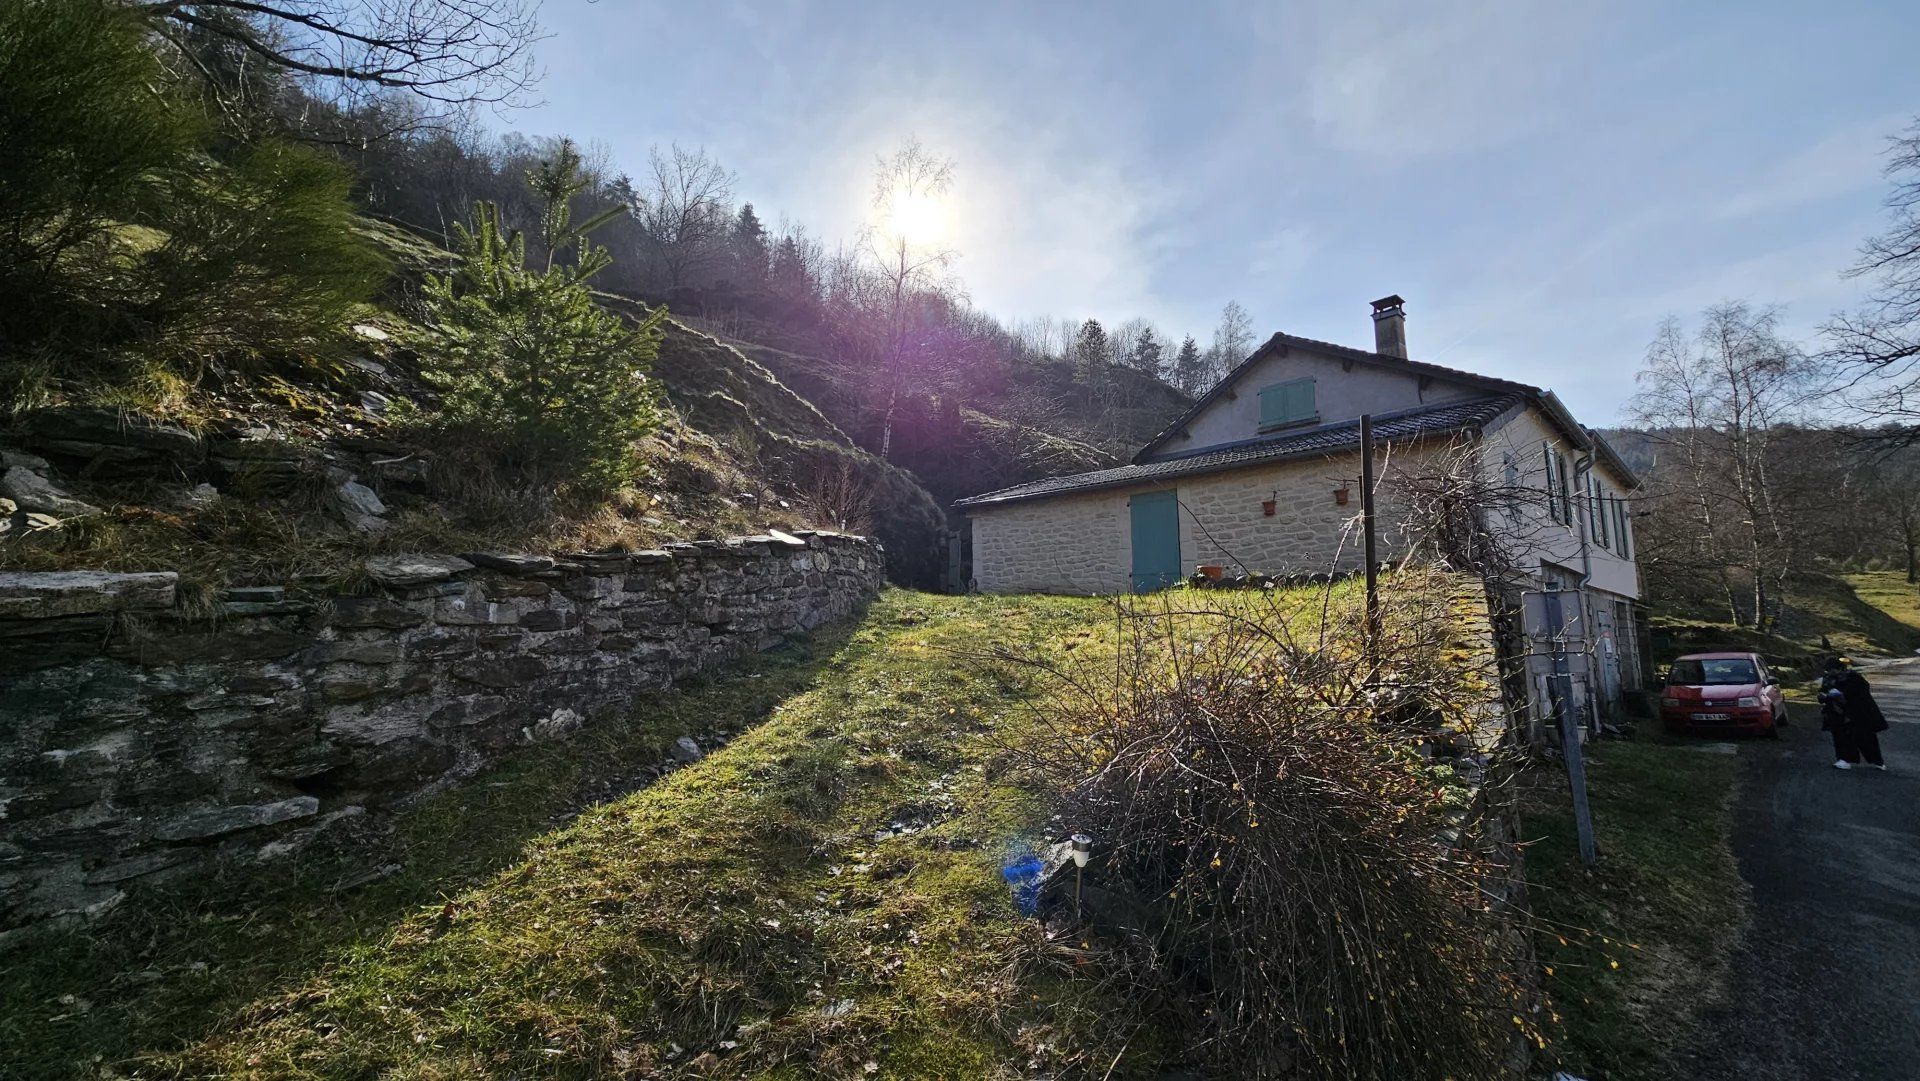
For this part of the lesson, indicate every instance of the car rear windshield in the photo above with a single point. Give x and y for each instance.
(1713, 672)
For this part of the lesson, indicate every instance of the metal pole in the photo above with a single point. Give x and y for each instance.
(1570, 730)
(1367, 532)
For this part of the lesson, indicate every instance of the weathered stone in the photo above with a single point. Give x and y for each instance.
(220, 821)
(439, 645)
(139, 866)
(233, 609)
(686, 750)
(786, 539)
(414, 570)
(499, 589)
(232, 641)
(472, 608)
(29, 644)
(373, 702)
(258, 594)
(376, 612)
(559, 724)
(350, 690)
(376, 651)
(109, 435)
(550, 619)
(501, 672)
(360, 507)
(10, 458)
(33, 492)
(510, 563)
(48, 594)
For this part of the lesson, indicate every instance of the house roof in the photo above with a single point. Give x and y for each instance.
(1278, 345)
(1418, 422)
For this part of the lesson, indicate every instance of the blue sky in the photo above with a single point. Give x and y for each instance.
(1543, 182)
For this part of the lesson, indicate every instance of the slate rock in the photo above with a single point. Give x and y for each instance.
(509, 562)
(33, 492)
(375, 612)
(49, 594)
(220, 821)
(687, 751)
(359, 505)
(414, 570)
(111, 436)
(9, 458)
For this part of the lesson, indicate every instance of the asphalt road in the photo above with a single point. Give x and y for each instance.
(1827, 983)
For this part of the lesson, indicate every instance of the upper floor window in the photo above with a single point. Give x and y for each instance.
(1284, 404)
(1559, 491)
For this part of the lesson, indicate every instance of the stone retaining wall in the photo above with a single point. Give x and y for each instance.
(136, 742)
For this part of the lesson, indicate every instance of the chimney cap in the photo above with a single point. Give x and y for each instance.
(1388, 303)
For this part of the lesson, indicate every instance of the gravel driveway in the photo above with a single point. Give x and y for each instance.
(1827, 984)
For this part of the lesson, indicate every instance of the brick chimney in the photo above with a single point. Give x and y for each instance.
(1390, 326)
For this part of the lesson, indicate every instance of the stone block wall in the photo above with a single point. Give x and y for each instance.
(1083, 543)
(136, 742)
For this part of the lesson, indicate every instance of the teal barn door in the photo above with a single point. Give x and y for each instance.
(1156, 540)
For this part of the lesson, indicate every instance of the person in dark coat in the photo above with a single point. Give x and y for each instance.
(1847, 710)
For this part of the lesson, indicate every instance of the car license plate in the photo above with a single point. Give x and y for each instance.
(1709, 716)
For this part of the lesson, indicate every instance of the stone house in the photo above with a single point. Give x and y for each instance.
(1262, 475)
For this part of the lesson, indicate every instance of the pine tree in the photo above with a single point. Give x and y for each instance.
(528, 356)
(747, 250)
(1190, 368)
(1146, 353)
(1091, 352)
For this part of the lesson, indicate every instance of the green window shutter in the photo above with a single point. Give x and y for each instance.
(1286, 403)
(1553, 493)
(1300, 404)
(1273, 405)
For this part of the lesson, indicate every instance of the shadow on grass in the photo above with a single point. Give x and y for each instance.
(175, 961)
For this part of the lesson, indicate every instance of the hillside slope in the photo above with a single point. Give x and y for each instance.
(1033, 420)
(304, 472)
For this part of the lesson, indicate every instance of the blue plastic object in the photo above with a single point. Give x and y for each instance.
(1023, 878)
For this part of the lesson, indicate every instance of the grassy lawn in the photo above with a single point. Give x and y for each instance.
(819, 898)
(1632, 946)
(1874, 613)
(820, 895)
(1891, 593)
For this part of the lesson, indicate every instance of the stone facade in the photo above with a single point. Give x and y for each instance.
(1083, 543)
(136, 742)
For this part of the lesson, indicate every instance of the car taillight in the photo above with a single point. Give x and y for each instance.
(1749, 703)
(1670, 701)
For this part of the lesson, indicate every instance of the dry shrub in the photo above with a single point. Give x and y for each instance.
(1284, 836)
(838, 498)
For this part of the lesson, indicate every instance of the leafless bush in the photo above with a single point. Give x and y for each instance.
(1289, 831)
(838, 499)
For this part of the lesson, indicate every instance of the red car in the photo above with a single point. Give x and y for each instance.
(1724, 693)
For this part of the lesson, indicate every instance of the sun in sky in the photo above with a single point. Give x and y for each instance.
(920, 217)
(912, 199)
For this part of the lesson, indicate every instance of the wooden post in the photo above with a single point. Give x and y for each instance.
(1368, 540)
(1570, 729)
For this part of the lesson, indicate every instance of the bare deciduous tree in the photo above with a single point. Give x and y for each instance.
(447, 52)
(1880, 343)
(907, 187)
(685, 211)
(1714, 404)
